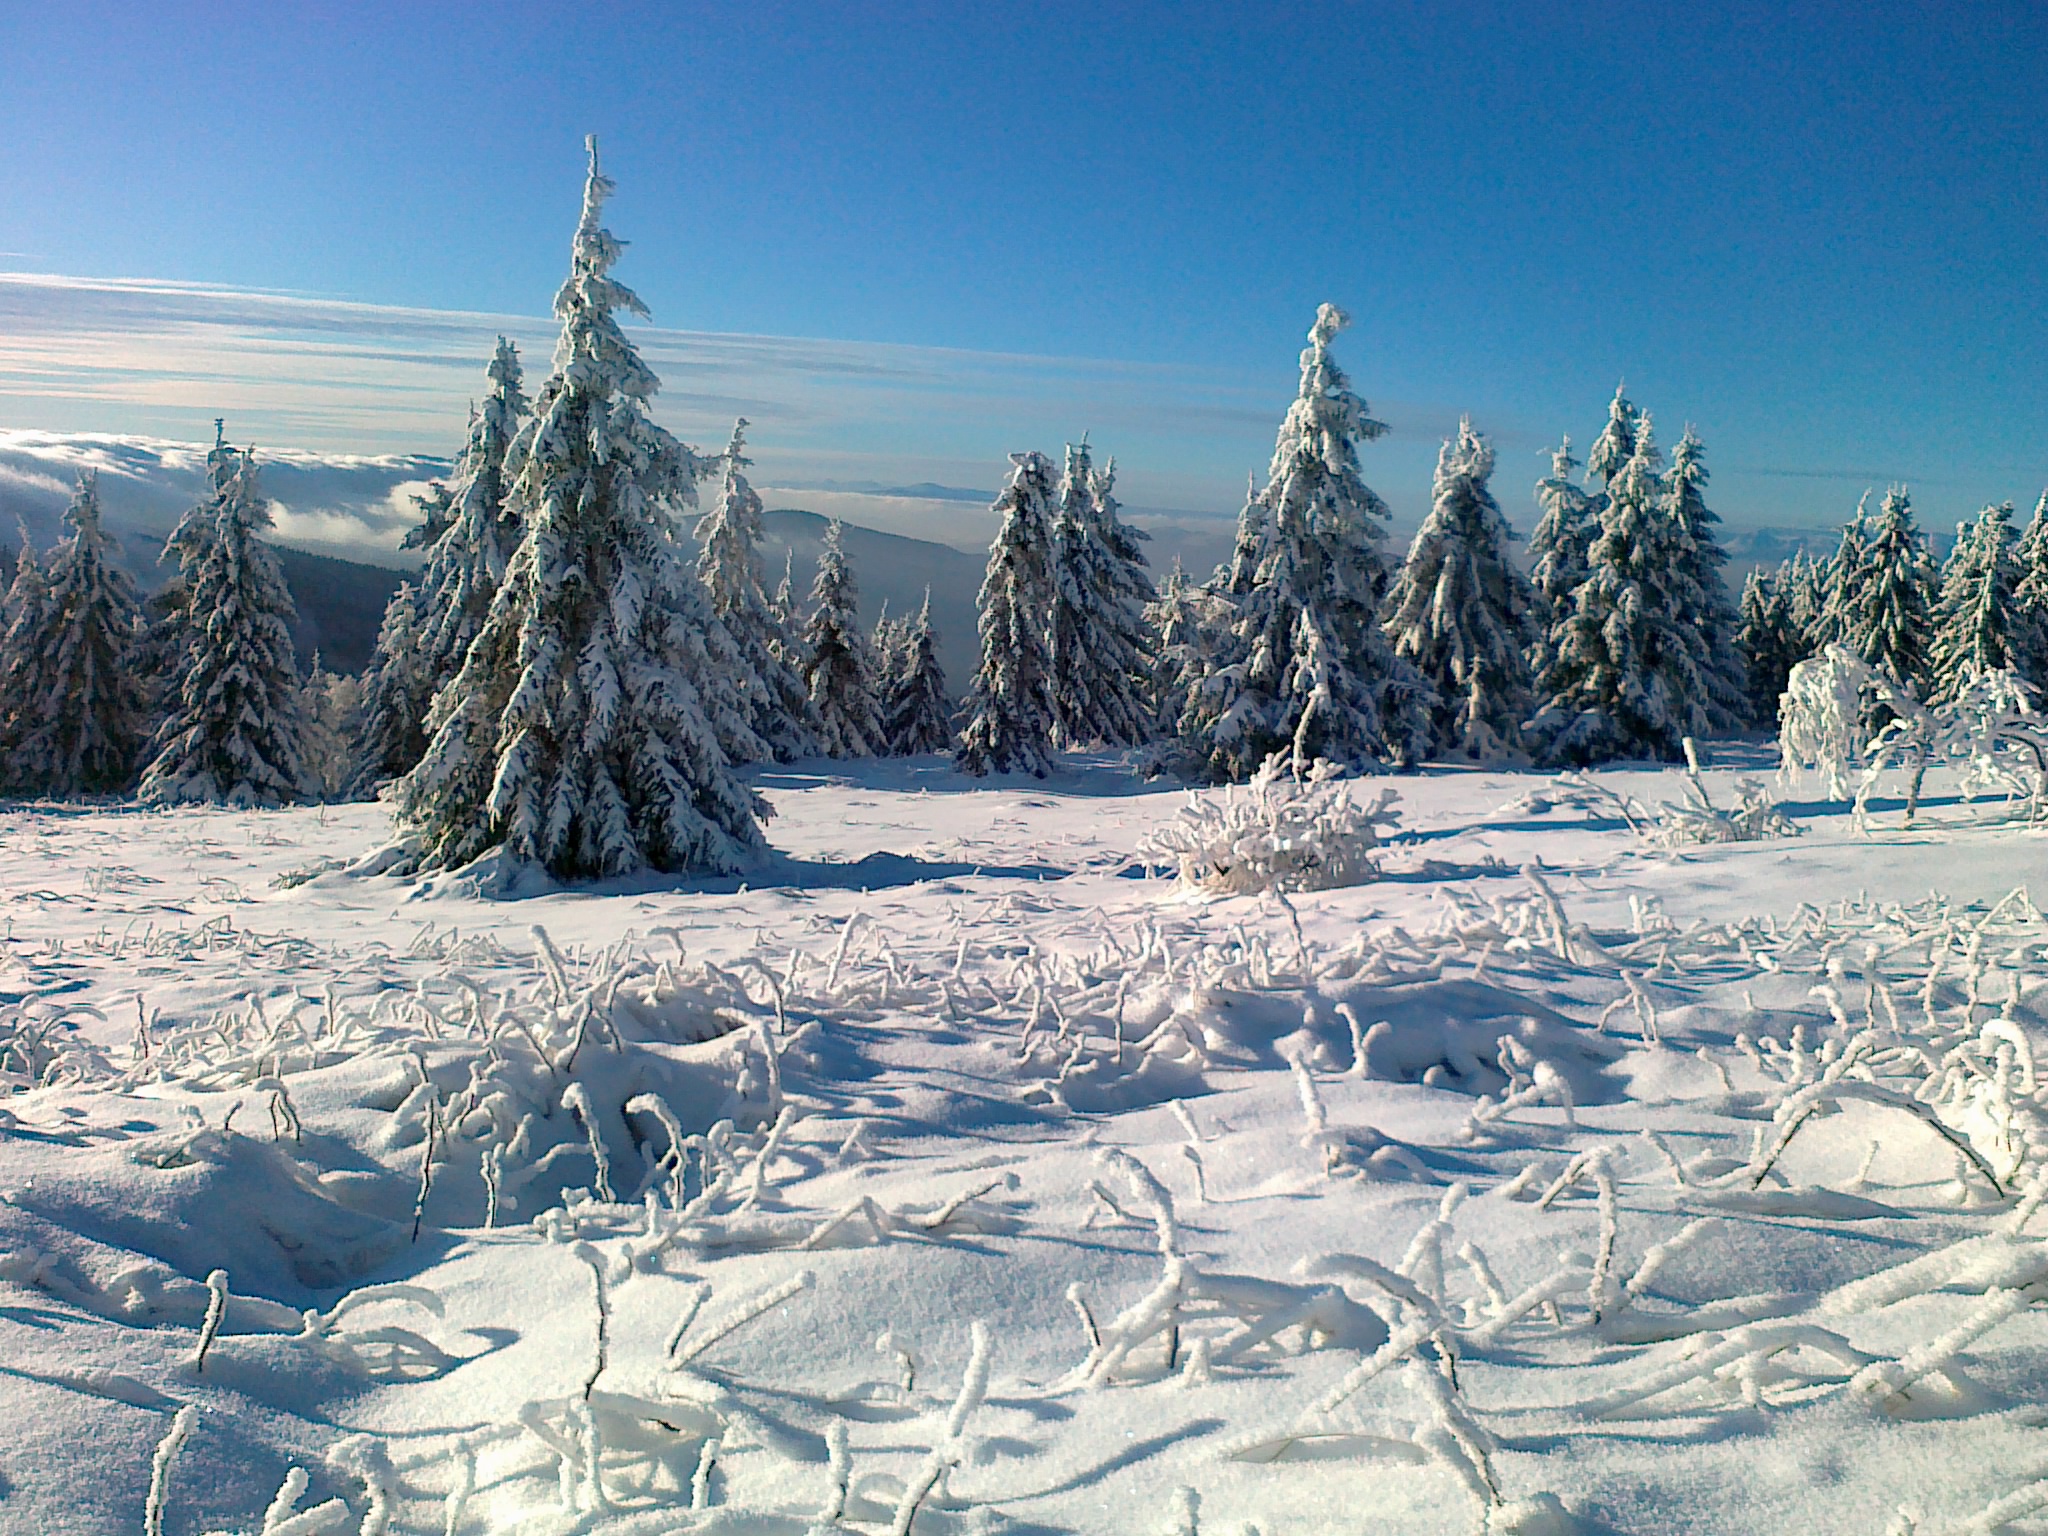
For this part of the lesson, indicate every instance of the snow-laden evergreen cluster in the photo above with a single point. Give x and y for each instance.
(588, 729)
(1298, 663)
(232, 734)
(571, 678)
(1009, 708)
(839, 669)
(729, 565)
(1461, 612)
(73, 709)
(469, 533)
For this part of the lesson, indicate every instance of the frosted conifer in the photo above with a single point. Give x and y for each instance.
(1462, 613)
(1616, 444)
(1305, 668)
(1095, 638)
(73, 709)
(583, 731)
(1804, 580)
(22, 611)
(2030, 594)
(1700, 587)
(167, 636)
(1628, 673)
(331, 705)
(916, 712)
(1557, 545)
(1768, 643)
(1976, 620)
(1841, 576)
(469, 533)
(1183, 619)
(729, 566)
(1009, 724)
(232, 733)
(1884, 611)
(838, 668)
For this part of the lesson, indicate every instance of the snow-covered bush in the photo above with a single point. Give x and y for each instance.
(1988, 729)
(1284, 831)
(1691, 822)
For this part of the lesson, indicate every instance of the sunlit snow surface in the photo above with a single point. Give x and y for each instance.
(956, 1060)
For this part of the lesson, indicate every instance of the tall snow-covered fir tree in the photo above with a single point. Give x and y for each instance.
(1557, 547)
(1841, 575)
(168, 636)
(1184, 618)
(1884, 610)
(2030, 593)
(1616, 444)
(1095, 632)
(1628, 671)
(1768, 643)
(73, 709)
(232, 733)
(1976, 621)
(582, 733)
(1009, 708)
(1462, 613)
(917, 714)
(22, 610)
(839, 672)
(729, 566)
(1305, 668)
(331, 705)
(1804, 580)
(1701, 585)
(469, 532)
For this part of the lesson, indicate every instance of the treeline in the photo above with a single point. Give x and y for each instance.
(587, 659)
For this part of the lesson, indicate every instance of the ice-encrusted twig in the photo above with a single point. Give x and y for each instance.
(160, 1468)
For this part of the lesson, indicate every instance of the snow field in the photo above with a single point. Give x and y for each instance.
(950, 1174)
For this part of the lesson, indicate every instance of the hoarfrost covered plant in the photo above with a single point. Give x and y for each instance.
(1988, 729)
(597, 714)
(1283, 831)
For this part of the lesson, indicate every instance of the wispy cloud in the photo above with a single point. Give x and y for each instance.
(146, 357)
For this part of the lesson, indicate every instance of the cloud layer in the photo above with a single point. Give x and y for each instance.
(156, 359)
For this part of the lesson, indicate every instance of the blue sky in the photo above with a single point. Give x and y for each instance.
(965, 229)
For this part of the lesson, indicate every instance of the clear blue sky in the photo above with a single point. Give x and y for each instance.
(1819, 232)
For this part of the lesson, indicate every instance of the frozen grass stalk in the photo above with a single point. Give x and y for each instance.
(160, 1467)
(216, 1311)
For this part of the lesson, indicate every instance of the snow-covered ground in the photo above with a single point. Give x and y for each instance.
(954, 1175)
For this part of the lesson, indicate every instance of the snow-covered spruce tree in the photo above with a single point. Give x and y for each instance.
(232, 733)
(1009, 708)
(469, 532)
(2030, 594)
(1629, 673)
(1616, 444)
(331, 705)
(839, 671)
(22, 609)
(1884, 612)
(1095, 634)
(1305, 667)
(1841, 575)
(1182, 619)
(917, 715)
(1557, 547)
(73, 709)
(1768, 644)
(167, 635)
(1976, 620)
(1700, 586)
(1462, 613)
(729, 566)
(582, 732)
(1804, 580)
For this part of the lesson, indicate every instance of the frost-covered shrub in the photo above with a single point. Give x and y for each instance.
(1283, 831)
(1988, 729)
